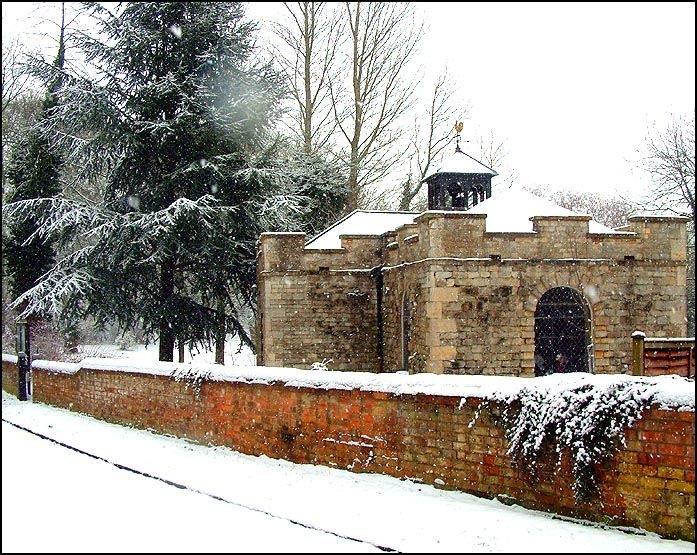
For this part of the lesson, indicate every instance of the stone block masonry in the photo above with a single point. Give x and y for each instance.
(361, 423)
(324, 315)
(484, 311)
(456, 299)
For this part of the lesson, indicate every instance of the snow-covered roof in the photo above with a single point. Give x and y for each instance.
(360, 222)
(460, 162)
(510, 210)
(658, 213)
(507, 210)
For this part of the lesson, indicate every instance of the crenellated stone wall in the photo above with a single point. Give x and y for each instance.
(462, 235)
(310, 311)
(480, 312)
(469, 295)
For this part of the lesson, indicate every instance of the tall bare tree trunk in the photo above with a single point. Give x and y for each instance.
(310, 39)
(166, 350)
(353, 186)
(308, 35)
(382, 38)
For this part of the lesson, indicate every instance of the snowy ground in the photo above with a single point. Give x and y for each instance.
(55, 500)
(235, 354)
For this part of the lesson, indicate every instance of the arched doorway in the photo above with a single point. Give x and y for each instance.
(562, 333)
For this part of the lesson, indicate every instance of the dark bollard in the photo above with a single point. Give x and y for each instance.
(23, 371)
(23, 362)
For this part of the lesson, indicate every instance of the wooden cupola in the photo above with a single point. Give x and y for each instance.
(460, 183)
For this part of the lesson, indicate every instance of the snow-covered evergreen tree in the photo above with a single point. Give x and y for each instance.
(33, 171)
(317, 184)
(174, 113)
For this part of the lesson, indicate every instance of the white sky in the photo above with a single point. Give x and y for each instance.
(57, 500)
(572, 87)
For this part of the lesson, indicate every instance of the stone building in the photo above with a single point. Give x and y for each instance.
(505, 284)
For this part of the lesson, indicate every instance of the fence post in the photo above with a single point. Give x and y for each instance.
(638, 353)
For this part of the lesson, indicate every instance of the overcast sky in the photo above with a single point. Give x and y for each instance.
(572, 87)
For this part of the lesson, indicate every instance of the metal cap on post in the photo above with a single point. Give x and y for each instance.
(23, 359)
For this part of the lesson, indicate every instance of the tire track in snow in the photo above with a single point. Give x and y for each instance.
(194, 490)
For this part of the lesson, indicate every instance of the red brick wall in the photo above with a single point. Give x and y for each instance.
(649, 484)
(10, 378)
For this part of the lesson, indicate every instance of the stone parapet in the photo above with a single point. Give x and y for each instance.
(463, 235)
(279, 252)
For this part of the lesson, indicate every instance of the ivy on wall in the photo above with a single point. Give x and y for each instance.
(586, 420)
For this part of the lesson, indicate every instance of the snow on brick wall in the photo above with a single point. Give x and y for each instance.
(428, 431)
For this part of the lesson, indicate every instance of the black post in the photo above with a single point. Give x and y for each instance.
(378, 277)
(22, 371)
(23, 359)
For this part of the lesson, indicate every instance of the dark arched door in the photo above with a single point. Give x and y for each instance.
(562, 332)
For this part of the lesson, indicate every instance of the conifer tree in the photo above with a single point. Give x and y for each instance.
(175, 115)
(33, 172)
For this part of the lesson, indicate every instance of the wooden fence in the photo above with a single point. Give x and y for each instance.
(656, 356)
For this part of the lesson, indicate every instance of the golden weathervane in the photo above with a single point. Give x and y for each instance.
(458, 129)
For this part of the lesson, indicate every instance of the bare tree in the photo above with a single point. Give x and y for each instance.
(430, 137)
(382, 40)
(307, 54)
(610, 210)
(493, 152)
(670, 160)
(15, 81)
(20, 102)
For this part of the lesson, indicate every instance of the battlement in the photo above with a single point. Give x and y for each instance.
(438, 234)
(463, 235)
(281, 252)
